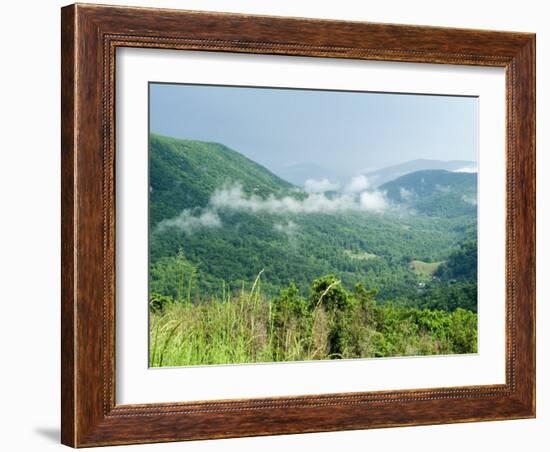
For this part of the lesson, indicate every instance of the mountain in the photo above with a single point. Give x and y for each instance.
(297, 174)
(435, 192)
(217, 248)
(184, 174)
(383, 175)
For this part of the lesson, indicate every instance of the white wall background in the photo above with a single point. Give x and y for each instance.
(29, 226)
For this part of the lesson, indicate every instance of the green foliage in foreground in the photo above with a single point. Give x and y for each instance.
(332, 323)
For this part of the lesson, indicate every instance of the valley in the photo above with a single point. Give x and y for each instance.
(224, 230)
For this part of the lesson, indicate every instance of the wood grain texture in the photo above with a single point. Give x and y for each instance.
(68, 147)
(90, 36)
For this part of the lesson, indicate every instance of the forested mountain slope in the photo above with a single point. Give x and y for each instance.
(218, 219)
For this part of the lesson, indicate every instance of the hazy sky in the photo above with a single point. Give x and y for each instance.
(349, 132)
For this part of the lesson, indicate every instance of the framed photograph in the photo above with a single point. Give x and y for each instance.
(281, 225)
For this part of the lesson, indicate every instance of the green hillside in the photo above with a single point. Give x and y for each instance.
(435, 192)
(374, 249)
(184, 174)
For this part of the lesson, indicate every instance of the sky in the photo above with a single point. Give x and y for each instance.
(348, 132)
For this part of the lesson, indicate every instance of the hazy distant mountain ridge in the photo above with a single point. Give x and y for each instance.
(389, 173)
(298, 174)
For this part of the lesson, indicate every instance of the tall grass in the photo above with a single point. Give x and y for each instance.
(233, 329)
(246, 327)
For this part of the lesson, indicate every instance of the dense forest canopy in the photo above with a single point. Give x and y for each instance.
(227, 248)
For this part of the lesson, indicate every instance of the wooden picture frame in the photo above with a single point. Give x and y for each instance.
(90, 36)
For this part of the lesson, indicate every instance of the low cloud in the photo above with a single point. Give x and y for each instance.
(357, 184)
(234, 198)
(443, 188)
(289, 228)
(406, 195)
(469, 169)
(373, 200)
(320, 186)
(188, 222)
(472, 200)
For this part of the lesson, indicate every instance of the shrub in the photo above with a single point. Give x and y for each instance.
(158, 303)
(290, 322)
